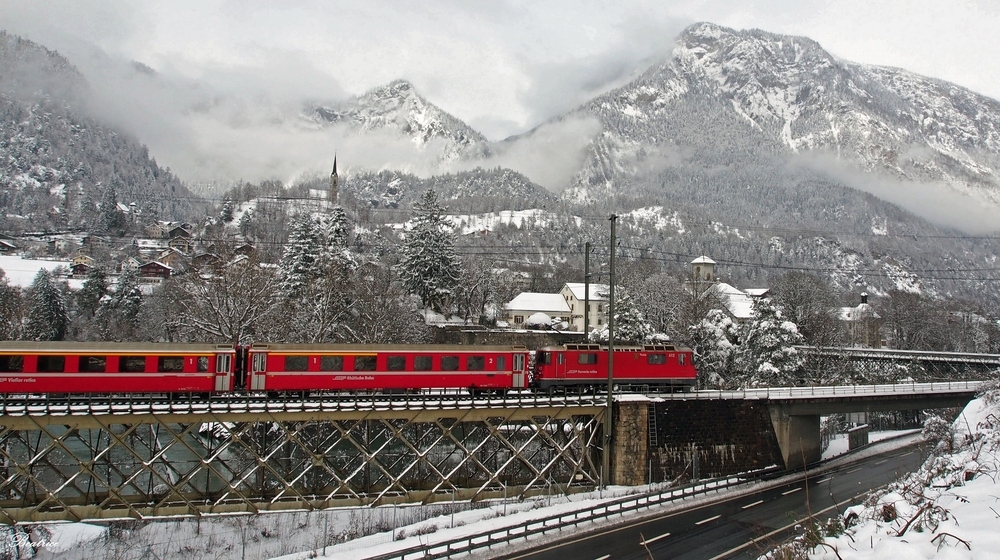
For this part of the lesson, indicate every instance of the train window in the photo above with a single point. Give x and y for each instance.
(396, 363)
(202, 363)
(423, 363)
(93, 363)
(170, 364)
(131, 364)
(364, 363)
(657, 359)
(560, 358)
(296, 363)
(11, 364)
(51, 363)
(331, 363)
(501, 363)
(475, 363)
(586, 358)
(544, 358)
(680, 359)
(449, 363)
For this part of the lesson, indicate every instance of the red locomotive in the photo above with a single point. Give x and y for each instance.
(123, 368)
(575, 365)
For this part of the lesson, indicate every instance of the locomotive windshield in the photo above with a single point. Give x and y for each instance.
(543, 358)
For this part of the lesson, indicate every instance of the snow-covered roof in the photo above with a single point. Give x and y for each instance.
(598, 292)
(533, 301)
(757, 292)
(703, 260)
(862, 311)
(739, 303)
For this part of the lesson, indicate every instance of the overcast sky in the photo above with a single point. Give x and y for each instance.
(501, 66)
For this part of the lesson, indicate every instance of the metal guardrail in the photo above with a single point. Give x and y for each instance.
(901, 355)
(831, 391)
(621, 506)
(258, 403)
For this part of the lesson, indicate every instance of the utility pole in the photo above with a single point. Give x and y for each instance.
(586, 291)
(606, 466)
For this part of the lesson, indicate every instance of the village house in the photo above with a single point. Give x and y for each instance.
(532, 305)
(81, 265)
(576, 298)
(181, 243)
(130, 264)
(153, 272)
(861, 324)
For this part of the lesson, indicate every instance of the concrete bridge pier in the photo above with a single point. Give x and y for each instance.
(798, 436)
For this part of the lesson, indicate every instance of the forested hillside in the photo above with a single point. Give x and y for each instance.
(58, 164)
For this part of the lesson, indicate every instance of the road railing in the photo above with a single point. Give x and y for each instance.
(831, 391)
(571, 519)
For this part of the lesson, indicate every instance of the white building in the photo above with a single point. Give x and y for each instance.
(574, 294)
(527, 304)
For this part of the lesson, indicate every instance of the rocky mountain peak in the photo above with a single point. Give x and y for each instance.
(397, 107)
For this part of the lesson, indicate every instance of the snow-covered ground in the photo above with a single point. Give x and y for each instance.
(949, 509)
(21, 272)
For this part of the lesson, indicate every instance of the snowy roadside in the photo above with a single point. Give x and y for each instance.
(498, 517)
(947, 509)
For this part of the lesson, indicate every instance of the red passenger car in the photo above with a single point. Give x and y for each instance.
(89, 367)
(358, 367)
(574, 365)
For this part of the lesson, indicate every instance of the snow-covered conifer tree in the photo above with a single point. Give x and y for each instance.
(246, 220)
(226, 214)
(429, 266)
(11, 309)
(712, 342)
(47, 318)
(766, 355)
(95, 287)
(631, 327)
(110, 219)
(335, 258)
(118, 315)
(302, 251)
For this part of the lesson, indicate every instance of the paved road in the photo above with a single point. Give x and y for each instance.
(741, 527)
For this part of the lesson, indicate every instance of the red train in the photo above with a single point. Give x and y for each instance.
(121, 368)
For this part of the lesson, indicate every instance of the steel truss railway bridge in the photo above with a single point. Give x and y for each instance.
(113, 458)
(141, 458)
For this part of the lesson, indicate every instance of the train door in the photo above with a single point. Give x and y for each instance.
(519, 381)
(224, 370)
(559, 364)
(258, 370)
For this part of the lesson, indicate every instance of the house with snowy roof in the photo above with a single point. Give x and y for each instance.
(154, 272)
(861, 324)
(531, 305)
(592, 300)
(737, 303)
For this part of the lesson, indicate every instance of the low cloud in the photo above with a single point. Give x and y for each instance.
(969, 210)
(549, 155)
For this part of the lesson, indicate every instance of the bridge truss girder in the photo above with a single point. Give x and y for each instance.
(114, 466)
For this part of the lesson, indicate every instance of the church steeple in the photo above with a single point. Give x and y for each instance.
(334, 182)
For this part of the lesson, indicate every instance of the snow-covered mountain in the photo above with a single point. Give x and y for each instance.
(397, 107)
(758, 144)
(758, 93)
